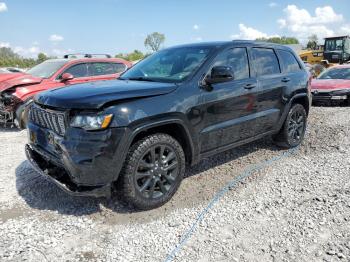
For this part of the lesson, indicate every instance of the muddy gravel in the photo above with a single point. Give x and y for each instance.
(296, 208)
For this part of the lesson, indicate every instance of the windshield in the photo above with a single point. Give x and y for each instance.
(170, 65)
(47, 68)
(336, 73)
(334, 45)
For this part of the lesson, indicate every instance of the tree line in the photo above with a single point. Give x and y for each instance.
(153, 42)
(8, 58)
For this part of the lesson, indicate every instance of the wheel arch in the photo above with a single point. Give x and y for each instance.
(173, 127)
(301, 98)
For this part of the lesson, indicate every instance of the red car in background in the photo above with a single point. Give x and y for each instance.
(16, 93)
(332, 85)
(5, 74)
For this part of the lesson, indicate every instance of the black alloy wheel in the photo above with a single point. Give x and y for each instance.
(293, 130)
(296, 126)
(157, 171)
(152, 171)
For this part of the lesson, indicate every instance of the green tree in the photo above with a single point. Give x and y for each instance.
(280, 40)
(154, 41)
(313, 42)
(10, 58)
(41, 58)
(134, 56)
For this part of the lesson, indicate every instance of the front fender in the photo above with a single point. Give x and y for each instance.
(160, 125)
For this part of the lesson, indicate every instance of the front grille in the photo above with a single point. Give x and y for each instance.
(54, 120)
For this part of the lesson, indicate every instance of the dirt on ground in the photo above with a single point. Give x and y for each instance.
(294, 208)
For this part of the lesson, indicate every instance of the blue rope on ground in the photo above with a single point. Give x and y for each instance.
(220, 194)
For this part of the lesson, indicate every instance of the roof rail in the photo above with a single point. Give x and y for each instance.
(80, 55)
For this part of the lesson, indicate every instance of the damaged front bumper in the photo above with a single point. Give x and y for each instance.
(56, 173)
(8, 104)
(82, 163)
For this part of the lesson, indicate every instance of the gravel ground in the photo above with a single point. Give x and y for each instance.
(296, 209)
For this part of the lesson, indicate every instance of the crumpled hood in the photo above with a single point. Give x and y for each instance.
(94, 95)
(22, 79)
(7, 76)
(330, 84)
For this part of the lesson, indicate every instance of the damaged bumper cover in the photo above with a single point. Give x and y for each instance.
(81, 163)
(8, 104)
(59, 176)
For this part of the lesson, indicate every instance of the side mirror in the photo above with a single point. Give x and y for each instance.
(220, 74)
(67, 77)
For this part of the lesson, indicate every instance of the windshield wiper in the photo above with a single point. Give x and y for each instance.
(139, 78)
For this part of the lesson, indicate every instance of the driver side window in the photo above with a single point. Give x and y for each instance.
(237, 59)
(79, 70)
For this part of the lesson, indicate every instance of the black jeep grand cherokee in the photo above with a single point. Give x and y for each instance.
(181, 104)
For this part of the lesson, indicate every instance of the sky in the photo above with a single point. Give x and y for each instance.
(120, 26)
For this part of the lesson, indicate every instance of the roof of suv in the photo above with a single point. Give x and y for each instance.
(220, 44)
(88, 59)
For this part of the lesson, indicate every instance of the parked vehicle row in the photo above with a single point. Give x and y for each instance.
(137, 134)
(17, 90)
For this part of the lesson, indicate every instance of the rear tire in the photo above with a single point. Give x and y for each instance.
(152, 171)
(293, 130)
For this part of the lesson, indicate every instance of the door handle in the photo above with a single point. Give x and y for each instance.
(285, 79)
(249, 86)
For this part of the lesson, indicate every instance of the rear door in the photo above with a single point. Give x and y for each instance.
(271, 88)
(228, 104)
(294, 76)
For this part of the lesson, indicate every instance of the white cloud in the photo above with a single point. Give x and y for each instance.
(32, 51)
(3, 7)
(196, 27)
(345, 29)
(4, 44)
(56, 38)
(249, 33)
(300, 23)
(272, 4)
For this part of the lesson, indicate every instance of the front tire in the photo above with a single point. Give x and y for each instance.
(152, 172)
(293, 130)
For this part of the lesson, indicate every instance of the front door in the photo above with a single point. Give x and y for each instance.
(228, 106)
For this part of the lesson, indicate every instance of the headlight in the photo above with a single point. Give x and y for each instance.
(91, 122)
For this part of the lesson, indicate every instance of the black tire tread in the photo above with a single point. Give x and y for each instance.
(126, 183)
(281, 138)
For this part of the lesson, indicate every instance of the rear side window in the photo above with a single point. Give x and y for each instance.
(97, 69)
(265, 61)
(79, 70)
(119, 67)
(237, 59)
(289, 63)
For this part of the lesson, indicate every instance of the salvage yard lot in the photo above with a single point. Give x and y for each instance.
(296, 209)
